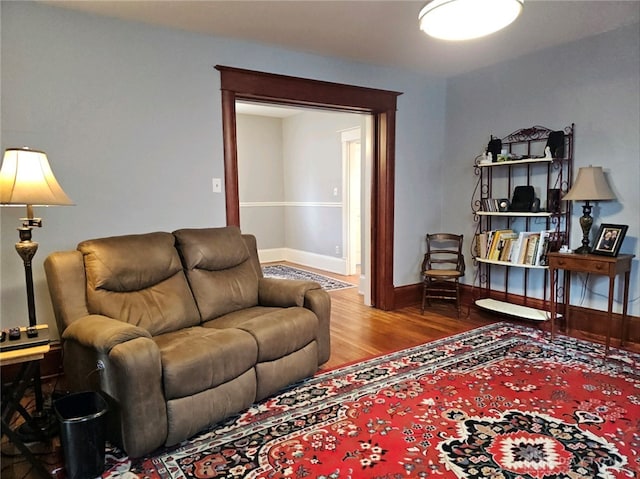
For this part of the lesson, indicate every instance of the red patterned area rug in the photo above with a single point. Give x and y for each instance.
(498, 402)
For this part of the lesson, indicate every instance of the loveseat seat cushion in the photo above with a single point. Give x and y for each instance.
(139, 279)
(278, 332)
(197, 359)
(219, 269)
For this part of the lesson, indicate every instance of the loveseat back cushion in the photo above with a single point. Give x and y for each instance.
(139, 279)
(219, 269)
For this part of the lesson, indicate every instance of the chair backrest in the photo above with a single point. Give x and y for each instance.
(444, 251)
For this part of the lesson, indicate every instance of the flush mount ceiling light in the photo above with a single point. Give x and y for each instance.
(467, 19)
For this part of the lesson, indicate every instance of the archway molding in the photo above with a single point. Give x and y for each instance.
(240, 84)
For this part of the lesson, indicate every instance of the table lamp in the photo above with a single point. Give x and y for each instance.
(26, 179)
(590, 185)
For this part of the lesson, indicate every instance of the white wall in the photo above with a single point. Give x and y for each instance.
(130, 117)
(594, 83)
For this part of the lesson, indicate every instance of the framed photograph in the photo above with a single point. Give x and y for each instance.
(609, 239)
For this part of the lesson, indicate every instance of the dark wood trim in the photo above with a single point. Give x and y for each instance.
(240, 84)
(590, 321)
(274, 88)
(230, 157)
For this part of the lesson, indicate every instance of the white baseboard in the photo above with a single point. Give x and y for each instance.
(271, 255)
(304, 258)
(362, 284)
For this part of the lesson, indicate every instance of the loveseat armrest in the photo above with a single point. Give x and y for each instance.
(129, 373)
(319, 301)
(102, 333)
(284, 293)
(308, 294)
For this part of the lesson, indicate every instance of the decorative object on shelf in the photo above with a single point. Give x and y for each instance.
(503, 205)
(555, 143)
(609, 239)
(26, 179)
(494, 148)
(554, 196)
(590, 185)
(524, 199)
(467, 19)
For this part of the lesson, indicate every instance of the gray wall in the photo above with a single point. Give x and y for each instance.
(261, 179)
(594, 83)
(288, 169)
(130, 117)
(313, 168)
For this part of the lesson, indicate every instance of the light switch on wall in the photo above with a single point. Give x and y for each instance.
(217, 185)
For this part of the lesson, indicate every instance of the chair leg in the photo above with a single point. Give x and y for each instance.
(424, 296)
(458, 298)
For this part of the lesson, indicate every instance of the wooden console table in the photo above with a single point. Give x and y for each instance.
(594, 264)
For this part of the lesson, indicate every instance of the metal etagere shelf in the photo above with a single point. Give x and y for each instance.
(523, 162)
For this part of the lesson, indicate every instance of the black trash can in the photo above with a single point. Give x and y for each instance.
(83, 429)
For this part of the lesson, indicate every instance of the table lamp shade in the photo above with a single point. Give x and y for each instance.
(590, 185)
(26, 179)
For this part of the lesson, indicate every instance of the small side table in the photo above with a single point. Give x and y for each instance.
(594, 264)
(28, 358)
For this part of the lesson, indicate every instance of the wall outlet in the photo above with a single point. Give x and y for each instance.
(217, 185)
(337, 249)
(335, 191)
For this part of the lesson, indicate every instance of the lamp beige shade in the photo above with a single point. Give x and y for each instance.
(26, 179)
(590, 185)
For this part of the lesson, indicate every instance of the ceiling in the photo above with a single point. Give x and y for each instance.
(370, 31)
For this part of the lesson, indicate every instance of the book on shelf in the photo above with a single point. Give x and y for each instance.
(497, 243)
(525, 248)
(543, 248)
(530, 253)
(517, 247)
(507, 241)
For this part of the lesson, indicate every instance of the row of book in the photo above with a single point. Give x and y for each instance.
(526, 247)
(494, 205)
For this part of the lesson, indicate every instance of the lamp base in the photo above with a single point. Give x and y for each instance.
(582, 250)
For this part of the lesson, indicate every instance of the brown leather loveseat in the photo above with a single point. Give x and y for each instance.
(181, 330)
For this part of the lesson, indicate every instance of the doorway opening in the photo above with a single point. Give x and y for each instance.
(353, 191)
(239, 84)
(299, 183)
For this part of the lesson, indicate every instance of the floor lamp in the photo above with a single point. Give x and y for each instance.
(26, 179)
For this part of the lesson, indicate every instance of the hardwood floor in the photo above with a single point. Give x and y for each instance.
(358, 332)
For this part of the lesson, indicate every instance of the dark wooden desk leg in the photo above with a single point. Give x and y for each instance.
(25, 451)
(552, 278)
(625, 303)
(12, 404)
(566, 300)
(612, 281)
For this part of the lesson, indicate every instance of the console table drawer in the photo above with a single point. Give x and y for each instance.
(577, 264)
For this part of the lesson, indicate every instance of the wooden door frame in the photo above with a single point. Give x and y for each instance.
(240, 84)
